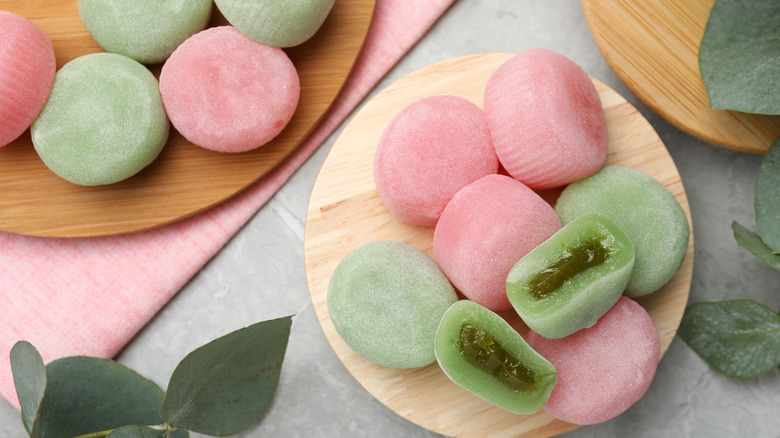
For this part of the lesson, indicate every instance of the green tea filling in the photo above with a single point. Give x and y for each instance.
(479, 348)
(577, 260)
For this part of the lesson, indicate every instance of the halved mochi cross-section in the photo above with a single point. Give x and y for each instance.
(483, 354)
(569, 281)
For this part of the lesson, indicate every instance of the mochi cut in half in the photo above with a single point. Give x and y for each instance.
(569, 281)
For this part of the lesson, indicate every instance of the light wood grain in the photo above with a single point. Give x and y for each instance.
(345, 211)
(185, 179)
(653, 47)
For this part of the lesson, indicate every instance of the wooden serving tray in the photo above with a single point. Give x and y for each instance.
(653, 47)
(345, 212)
(185, 179)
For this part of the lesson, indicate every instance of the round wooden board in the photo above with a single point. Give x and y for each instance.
(653, 47)
(185, 179)
(345, 211)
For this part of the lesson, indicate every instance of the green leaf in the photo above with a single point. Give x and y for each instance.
(753, 243)
(86, 394)
(768, 197)
(226, 385)
(30, 380)
(136, 432)
(739, 56)
(739, 338)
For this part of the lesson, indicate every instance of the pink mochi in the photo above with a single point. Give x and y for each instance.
(602, 370)
(485, 229)
(546, 119)
(434, 147)
(228, 93)
(27, 68)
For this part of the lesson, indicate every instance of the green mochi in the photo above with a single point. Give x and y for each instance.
(276, 23)
(645, 210)
(385, 299)
(522, 399)
(145, 30)
(573, 278)
(104, 120)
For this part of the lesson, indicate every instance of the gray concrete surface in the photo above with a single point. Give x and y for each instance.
(260, 273)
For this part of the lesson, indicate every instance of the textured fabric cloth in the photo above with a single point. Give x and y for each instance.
(90, 296)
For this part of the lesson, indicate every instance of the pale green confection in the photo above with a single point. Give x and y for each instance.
(386, 300)
(276, 23)
(573, 278)
(480, 352)
(643, 208)
(145, 30)
(104, 120)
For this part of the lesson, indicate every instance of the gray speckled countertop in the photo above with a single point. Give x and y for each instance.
(260, 273)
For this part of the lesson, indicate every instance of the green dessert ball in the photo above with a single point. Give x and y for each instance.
(483, 354)
(385, 299)
(145, 30)
(104, 120)
(643, 208)
(277, 23)
(569, 281)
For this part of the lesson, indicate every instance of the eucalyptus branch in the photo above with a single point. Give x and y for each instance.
(103, 433)
(250, 361)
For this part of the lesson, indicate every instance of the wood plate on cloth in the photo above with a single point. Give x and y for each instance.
(653, 47)
(345, 212)
(185, 179)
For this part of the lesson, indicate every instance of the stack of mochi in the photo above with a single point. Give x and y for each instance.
(568, 271)
(104, 117)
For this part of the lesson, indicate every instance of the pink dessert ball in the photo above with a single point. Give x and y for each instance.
(485, 229)
(228, 93)
(602, 370)
(546, 119)
(27, 67)
(434, 147)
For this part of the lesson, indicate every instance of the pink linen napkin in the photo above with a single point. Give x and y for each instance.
(90, 296)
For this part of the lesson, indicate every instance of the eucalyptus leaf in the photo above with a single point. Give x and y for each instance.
(768, 196)
(752, 242)
(227, 385)
(86, 395)
(739, 56)
(136, 432)
(30, 380)
(739, 338)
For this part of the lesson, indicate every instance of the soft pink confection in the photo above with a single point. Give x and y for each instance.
(546, 119)
(228, 93)
(485, 229)
(27, 67)
(434, 147)
(602, 370)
